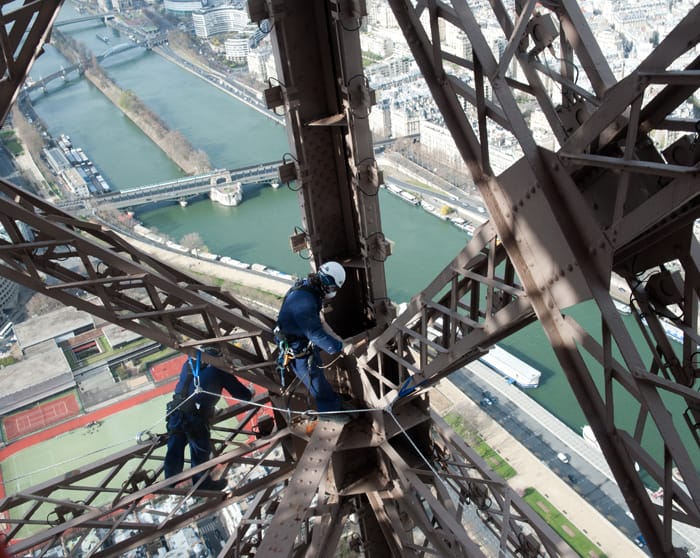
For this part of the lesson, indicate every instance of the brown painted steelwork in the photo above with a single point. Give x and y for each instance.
(562, 221)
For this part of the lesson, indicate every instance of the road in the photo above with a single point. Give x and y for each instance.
(533, 454)
(587, 474)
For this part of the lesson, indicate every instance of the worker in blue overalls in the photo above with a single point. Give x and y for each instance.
(301, 335)
(189, 414)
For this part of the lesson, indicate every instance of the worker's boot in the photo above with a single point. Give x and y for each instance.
(214, 484)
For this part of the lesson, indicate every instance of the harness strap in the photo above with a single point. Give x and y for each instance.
(195, 369)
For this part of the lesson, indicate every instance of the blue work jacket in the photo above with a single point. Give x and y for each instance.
(300, 320)
(213, 380)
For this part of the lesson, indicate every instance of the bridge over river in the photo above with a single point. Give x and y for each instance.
(180, 188)
(76, 70)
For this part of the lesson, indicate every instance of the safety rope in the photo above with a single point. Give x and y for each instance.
(146, 436)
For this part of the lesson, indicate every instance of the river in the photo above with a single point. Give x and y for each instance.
(258, 230)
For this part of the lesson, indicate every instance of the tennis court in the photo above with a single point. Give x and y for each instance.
(83, 445)
(40, 416)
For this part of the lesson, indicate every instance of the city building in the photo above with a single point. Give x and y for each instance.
(43, 372)
(404, 121)
(261, 63)
(182, 6)
(58, 326)
(236, 49)
(9, 290)
(222, 19)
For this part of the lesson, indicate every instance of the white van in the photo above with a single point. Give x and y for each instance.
(563, 457)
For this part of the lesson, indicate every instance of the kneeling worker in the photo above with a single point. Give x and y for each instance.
(188, 419)
(299, 327)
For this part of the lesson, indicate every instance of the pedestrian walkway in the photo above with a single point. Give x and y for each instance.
(533, 473)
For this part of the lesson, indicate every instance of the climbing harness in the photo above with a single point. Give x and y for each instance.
(182, 400)
(195, 372)
(287, 354)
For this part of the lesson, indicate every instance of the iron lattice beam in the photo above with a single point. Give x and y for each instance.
(286, 504)
(561, 222)
(566, 218)
(56, 254)
(24, 28)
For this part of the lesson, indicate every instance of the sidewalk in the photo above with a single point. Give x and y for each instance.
(532, 472)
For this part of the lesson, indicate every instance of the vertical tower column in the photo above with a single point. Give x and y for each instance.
(326, 98)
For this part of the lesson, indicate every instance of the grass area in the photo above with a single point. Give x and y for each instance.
(574, 538)
(369, 58)
(495, 461)
(104, 353)
(398, 175)
(241, 291)
(7, 361)
(9, 139)
(578, 541)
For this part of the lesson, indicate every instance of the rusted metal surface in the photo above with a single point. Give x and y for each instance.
(564, 220)
(570, 218)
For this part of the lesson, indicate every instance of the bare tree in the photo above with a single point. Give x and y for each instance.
(192, 241)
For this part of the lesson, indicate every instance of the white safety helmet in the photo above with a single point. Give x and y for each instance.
(332, 277)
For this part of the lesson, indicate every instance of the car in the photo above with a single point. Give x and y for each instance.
(563, 457)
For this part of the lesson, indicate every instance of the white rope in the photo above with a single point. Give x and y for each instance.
(306, 412)
(388, 410)
(70, 460)
(145, 435)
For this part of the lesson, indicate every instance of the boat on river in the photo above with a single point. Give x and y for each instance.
(511, 367)
(622, 308)
(589, 436)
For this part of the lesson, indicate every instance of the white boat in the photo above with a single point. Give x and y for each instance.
(672, 332)
(621, 307)
(510, 366)
(410, 198)
(228, 195)
(587, 433)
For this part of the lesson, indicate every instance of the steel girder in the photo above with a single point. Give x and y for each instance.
(281, 502)
(63, 257)
(606, 201)
(24, 28)
(326, 98)
(393, 482)
(57, 254)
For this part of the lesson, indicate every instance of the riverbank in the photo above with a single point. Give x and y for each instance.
(234, 88)
(171, 142)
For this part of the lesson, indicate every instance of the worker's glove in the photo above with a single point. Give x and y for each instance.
(348, 349)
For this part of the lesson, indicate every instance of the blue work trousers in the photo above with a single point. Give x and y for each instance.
(314, 380)
(186, 429)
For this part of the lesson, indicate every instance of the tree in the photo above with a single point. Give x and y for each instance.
(192, 241)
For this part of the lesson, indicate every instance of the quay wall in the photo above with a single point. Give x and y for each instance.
(173, 144)
(232, 88)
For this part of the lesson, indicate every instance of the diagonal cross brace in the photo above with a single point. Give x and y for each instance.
(293, 510)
